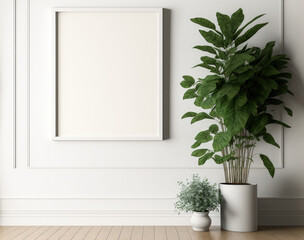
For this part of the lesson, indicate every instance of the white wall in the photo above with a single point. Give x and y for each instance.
(123, 182)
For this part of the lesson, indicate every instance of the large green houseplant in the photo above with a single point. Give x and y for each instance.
(243, 83)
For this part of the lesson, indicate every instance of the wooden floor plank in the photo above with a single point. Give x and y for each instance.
(137, 233)
(148, 233)
(37, 233)
(7, 231)
(297, 231)
(70, 233)
(126, 233)
(183, 233)
(160, 233)
(284, 233)
(46, 235)
(213, 234)
(171, 233)
(93, 233)
(81, 234)
(58, 234)
(15, 233)
(26, 233)
(104, 233)
(115, 233)
(261, 234)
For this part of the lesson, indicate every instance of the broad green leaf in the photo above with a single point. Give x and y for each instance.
(269, 139)
(208, 60)
(230, 90)
(212, 38)
(189, 114)
(270, 71)
(200, 116)
(190, 93)
(225, 25)
(247, 35)
(199, 152)
(221, 140)
(213, 113)
(241, 99)
(236, 117)
(198, 101)
(204, 158)
(196, 144)
(221, 54)
(207, 66)
(203, 22)
(236, 61)
(259, 123)
(208, 103)
(206, 88)
(206, 49)
(236, 19)
(203, 137)
(243, 69)
(213, 128)
(288, 110)
(219, 159)
(211, 78)
(268, 164)
(247, 24)
(187, 82)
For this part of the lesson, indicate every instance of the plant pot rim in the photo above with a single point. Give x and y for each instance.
(239, 184)
(203, 213)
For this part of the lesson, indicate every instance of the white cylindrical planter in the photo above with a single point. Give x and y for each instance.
(238, 207)
(200, 221)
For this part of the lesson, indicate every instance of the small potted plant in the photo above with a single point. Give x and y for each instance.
(237, 97)
(199, 197)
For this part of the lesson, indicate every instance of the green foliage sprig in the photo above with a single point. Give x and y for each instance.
(237, 94)
(197, 195)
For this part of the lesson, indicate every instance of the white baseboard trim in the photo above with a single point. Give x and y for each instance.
(47, 211)
(104, 218)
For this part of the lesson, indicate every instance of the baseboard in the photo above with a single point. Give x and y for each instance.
(14, 211)
(104, 218)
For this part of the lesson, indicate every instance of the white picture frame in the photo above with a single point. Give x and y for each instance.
(68, 124)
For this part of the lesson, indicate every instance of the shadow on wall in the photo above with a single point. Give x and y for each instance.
(166, 72)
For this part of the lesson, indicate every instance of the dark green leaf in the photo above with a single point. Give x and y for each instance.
(241, 29)
(190, 93)
(273, 101)
(208, 60)
(200, 116)
(196, 144)
(269, 139)
(280, 123)
(221, 140)
(236, 117)
(225, 25)
(241, 99)
(236, 61)
(219, 159)
(212, 38)
(288, 110)
(199, 152)
(268, 164)
(188, 81)
(208, 103)
(247, 35)
(259, 123)
(206, 49)
(213, 128)
(204, 158)
(236, 19)
(270, 71)
(189, 114)
(203, 22)
(203, 136)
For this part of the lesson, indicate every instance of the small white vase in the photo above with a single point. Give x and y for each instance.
(200, 221)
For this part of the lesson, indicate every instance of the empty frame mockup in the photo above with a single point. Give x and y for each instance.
(108, 74)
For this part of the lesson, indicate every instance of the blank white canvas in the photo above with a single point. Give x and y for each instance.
(108, 75)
